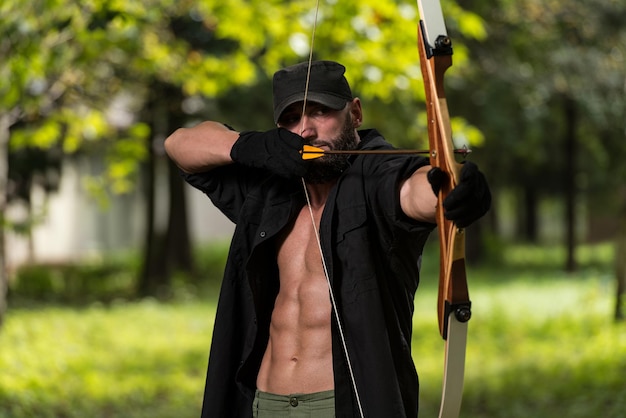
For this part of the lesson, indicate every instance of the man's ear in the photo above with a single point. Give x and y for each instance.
(357, 112)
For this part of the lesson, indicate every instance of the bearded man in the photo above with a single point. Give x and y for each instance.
(314, 317)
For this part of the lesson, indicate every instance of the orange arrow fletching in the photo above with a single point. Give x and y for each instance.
(310, 152)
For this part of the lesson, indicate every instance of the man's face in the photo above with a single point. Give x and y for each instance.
(325, 128)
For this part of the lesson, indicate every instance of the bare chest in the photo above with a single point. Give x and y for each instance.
(299, 255)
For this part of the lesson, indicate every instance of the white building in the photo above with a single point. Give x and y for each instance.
(74, 226)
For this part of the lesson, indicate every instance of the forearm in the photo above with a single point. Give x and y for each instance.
(417, 198)
(201, 148)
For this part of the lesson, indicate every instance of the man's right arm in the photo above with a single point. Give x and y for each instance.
(202, 148)
(211, 144)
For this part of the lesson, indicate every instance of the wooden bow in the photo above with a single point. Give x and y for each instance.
(453, 305)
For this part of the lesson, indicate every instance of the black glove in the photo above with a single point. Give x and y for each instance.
(277, 150)
(436, 177)
(469, 200)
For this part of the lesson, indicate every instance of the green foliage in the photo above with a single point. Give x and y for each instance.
(211, 260)
(61, 73)
(545, 259)
(109, 279)
(81, 283)
(66, 64)
(536, 55)
(100, 48)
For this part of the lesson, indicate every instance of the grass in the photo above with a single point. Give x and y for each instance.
(541, 344)
(142, 359)
(540, 350)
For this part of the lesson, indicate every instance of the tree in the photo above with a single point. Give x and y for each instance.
(538, 100)
(53, 93)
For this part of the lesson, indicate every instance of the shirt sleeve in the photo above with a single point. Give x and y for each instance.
(227, 186)
(383, 178)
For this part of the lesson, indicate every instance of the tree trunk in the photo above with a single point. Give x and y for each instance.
(178, 240)
(169, 250)
(570, 152)
(5, 123)
(530, 213)
(151, 277)
(475, 246)
(620, 261)
(154, 275)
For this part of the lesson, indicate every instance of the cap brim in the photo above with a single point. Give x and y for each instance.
(330, 100)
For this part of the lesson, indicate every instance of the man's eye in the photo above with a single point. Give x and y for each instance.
(322, 110)
(289, 119)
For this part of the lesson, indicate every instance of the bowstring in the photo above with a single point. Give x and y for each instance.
(308, 70)
(342, 336)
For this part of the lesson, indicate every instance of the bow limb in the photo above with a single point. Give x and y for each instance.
(453, 303)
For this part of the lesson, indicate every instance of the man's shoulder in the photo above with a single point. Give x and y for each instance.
(372, 139)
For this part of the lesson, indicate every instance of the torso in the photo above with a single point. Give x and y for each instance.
(298, 358)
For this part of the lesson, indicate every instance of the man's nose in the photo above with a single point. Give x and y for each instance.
(307, 128)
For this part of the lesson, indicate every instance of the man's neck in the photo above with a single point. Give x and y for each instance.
(318, 193)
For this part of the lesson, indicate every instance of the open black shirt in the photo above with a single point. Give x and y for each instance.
(373, 253)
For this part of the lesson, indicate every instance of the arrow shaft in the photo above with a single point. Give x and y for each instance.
(320, 152)
(357, 152)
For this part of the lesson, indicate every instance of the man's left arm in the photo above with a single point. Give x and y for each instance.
(417, 199)
(468, 202)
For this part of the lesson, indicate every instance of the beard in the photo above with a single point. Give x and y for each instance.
(329, 167)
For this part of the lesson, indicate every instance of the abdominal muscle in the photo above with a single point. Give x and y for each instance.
(298, 357)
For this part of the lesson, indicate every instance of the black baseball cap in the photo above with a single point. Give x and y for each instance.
(327, 85)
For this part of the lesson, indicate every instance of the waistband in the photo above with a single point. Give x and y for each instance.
(305, 397)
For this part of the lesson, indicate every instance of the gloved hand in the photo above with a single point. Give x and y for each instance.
(276, 150)
(469, 200)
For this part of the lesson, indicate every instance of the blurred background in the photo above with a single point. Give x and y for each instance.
(105, 254)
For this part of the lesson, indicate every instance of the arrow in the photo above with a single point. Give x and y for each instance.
(310, 152)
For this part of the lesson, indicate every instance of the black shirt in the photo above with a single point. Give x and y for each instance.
(373, 253)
